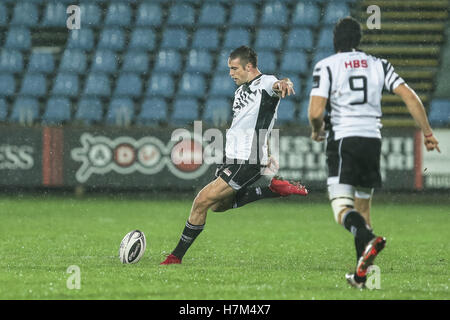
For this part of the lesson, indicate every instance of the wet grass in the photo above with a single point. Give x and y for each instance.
(277, 249)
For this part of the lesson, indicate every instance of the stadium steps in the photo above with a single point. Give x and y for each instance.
(411, 36)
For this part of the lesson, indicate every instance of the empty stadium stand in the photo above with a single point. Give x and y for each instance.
(411, 38)
(164, 62)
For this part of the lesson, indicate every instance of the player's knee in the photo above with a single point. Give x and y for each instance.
(216, 207)
(222, 205)
(342, 199)
(340, 206)
(364, 193)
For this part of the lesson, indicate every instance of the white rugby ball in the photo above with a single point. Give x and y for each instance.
(132, 247)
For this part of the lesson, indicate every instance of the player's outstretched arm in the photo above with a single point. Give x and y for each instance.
(315, 115)
(416, 109)
(283, 87)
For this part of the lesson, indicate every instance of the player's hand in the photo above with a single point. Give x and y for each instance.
(319, 136)
(431, 143)
(283, 87)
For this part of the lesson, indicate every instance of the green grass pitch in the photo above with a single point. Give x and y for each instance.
(283, 249)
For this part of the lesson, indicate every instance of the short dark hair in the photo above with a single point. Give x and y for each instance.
(346, 34)
(246, 54)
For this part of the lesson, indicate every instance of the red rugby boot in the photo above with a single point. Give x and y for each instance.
(370, 253)
(171, 259)
(285, 188)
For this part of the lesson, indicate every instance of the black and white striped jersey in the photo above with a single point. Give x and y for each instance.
(254, 113)
(353, 82)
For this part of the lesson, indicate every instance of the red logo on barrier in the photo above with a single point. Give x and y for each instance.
(187, 155)
(124, 155)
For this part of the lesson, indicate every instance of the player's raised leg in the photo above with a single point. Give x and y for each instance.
(246, 194)
(277, 188)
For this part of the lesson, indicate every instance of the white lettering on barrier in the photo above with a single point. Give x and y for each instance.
(14, 157)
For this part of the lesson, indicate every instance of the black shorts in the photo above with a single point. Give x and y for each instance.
(238, 174)
(354, 161)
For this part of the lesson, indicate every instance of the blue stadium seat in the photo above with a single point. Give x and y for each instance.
(286, 111)
(25, 110)
(335, 11)
(32, 1)
(222, 85)
(194, 2)
(3, 16)
(199, 61)
(136, 61)
(54, 15)
(91, 15)
(243, 15)
(236, 37)
(439, 115)
(212, 14)
(168, 61)
(307, 89)
(66, 84)
(73, 61)
(57, 111)
(104, 61)
(34, 84)
(185, 111)
(217, 111)
(294, 62)
(174, 38)
(191, 84)
(142, 39)
(306, 14)
(41, 62)
(181, 14)
(217, 1)
(274, 14)
(160, 84)
(321, 54)
(222, 61)
(267, 61)
(118, 14)
(149, 15)
(303, 115)
(257, 2)
(206, 38)
(81, 39)
(300, 38)
(153, 111)
(11, 61)
(18, 38)
(97, 84)
(25, 14)
(129, 85)
(68, 2)
(7, 84)
(112, 39)
(89, 110)
(268, 38)
(325, 38)
(3, 110)
(120, 112)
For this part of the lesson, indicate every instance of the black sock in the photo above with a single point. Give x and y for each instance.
(248, 195)
(355, 223)
(188, 236)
